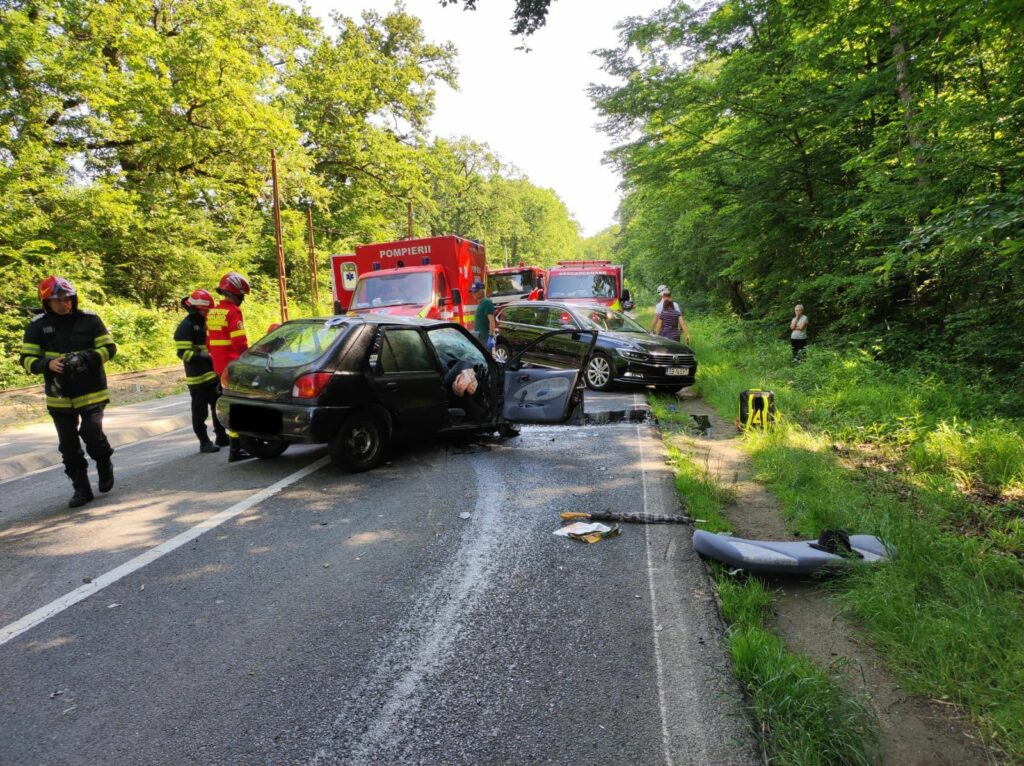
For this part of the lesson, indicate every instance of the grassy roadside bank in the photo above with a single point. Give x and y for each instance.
(804, 714)
(937, 469)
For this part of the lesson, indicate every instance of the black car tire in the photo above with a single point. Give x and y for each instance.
(359, 444)
(600, 372)
(502, 352)
(507, 431)
(264, 449)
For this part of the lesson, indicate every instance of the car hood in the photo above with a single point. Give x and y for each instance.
(648, 343)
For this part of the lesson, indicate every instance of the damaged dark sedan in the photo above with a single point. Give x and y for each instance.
(359, 384)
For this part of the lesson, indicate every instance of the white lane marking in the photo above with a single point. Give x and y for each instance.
(123, 446)
(57, 606)
(164, 406)
(654, 611)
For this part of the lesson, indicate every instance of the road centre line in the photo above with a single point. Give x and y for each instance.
(57, 606)
(659, 668)
(123, 446)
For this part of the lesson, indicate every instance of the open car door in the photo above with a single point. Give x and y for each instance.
(544, 395)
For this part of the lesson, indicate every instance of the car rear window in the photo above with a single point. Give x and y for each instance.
(294, 344)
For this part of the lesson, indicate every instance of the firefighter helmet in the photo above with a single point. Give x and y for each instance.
(233, 283)
(56, 287)
(199, 299)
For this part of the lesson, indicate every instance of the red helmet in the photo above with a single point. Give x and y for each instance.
(233, 283)
(56, 287)
(199, 299)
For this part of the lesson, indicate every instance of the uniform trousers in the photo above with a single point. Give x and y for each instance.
(86, 423)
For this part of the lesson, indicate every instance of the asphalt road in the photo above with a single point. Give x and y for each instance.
(280, 612)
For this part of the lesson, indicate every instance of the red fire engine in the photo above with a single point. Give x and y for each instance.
(413, 277)
(597, 282)
(515, 283)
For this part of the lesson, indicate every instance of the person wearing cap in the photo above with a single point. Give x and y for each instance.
(669, 322)
(663, 290)
(69, 348)
(484, 325)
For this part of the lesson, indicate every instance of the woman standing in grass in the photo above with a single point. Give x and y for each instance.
(669, 322)
(798, 327)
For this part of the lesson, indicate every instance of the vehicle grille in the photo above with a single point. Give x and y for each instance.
(673, 359)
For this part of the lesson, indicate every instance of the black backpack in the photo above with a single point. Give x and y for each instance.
(757, 409)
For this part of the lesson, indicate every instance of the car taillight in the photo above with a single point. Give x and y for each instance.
(311, 385)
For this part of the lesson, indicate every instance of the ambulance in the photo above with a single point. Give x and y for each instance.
(427, 277)
(593, 282)
(515, 283)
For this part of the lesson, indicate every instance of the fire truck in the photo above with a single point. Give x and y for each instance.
(599, 282)
(514, 283)
(427, 277)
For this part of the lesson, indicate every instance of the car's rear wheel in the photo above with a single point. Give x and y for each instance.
(359, 444)
(502, 353)
(599, 372)
(265, 449)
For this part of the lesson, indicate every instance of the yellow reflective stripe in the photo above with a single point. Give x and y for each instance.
(187, 356)
(104, 353)
(27, 364)
(53, 354)
(220, 343)
(183, 344)
(204, 378)
(60, 402)
(87, 399)
(31, 348)
(103, 340)
(237, 333)
(199, 346)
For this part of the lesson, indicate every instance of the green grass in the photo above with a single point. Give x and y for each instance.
(936, 471)
(804, 714)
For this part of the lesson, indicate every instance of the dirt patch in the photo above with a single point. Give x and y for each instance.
(21, 406)
(914, 731)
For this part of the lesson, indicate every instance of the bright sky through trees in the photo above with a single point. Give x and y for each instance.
(530, 108)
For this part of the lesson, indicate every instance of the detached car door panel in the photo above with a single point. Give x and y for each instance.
(535, 395)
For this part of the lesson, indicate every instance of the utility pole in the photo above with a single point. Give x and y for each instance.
(282, 278)
(314, 287)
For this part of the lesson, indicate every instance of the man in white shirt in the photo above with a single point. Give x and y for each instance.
(662, 292)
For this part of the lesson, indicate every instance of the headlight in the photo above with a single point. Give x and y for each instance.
(635, 356)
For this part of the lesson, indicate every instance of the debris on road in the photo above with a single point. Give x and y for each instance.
(633, 518)
(588, 533)
(465, 515)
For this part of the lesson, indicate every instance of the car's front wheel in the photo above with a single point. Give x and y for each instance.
(599, 372)
(265, 449)
(502, 353)
(359, 444)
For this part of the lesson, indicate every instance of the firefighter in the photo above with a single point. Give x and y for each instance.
(202, 381)
(68, 347)
(225, 338)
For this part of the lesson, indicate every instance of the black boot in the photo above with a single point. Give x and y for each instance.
(236, 452)
(208, 446)
(223, 440)
(83, 491)
(105, 469)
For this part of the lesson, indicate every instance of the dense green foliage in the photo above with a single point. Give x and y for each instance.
(863, 159)
(136, 139)
(934, 468)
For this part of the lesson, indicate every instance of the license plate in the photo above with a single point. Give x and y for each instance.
(678, 370)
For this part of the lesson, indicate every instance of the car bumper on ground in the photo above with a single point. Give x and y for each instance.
(301, 424)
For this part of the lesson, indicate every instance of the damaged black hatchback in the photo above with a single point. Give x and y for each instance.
(360, 383)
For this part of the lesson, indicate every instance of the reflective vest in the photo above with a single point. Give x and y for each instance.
(225, 334)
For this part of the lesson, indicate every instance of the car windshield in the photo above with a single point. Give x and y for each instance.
(581, 286)
(394, 290)
(510, 284)
(606, 319)
(296, 343)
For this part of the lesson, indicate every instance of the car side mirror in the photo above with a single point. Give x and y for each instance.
(442, 302)
(456, 297)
